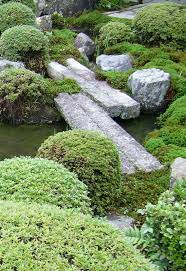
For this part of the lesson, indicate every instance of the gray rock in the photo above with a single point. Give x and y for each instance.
(68, 7)
(178, 171)
(4, 64)
(85, 44)
(40, 4)
(149, 87)
(120, 222)
(44, 22)
(87, 115)
(116, 103)
(114, 62)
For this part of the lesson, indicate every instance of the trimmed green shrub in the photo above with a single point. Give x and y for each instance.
(23, 93)
(163, 235)
(30, 3)
(27, 44)
(113, 33)
(161, 23)
(41, 181)
(113, 4)
(12, 14)
(93, 158)
(43, 237)
(175, 114)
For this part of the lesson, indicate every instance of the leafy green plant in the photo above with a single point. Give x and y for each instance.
(44, 237)
(94, 159)
(163, 236)
(41, 181)
(30, 3)
(25, 43)
(113, 33)
(12, 14)
(110, 4)
(161, 23)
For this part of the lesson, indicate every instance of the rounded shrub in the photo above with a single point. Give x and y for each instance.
(43, 237)
(30, 3)
(12, 14)
(113, 33)
(41, 181)
(25, 43)
(161, 23)
(22, 93)
(93, 158)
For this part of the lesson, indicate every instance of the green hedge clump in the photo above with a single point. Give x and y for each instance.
(12, 14)
(41, 181)
(163, 235)
(43, 237)
(113, 33)
(25, 43)
(30, 3)
(93, 158)
(161, 23)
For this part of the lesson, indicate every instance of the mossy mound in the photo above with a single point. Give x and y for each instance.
(13, 14)
(43, 238)
(30, 3)
(41, 181)
(94, 159)
(25, 43)
(162, 23)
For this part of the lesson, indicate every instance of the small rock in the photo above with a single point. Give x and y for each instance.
(120, 222)
(44, 22)
(149, 87)
(80, 69)
(178, 171)
(85, 44)
(4, 64)
(55, 71)
(114, 62)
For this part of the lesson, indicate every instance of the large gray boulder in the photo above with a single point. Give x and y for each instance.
(85, 44)
(4, 64)
(64, 7)
(114, 62)
(149, 87)
(178, 171)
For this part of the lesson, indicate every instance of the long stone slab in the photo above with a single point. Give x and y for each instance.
(116, 103)
(87, 115)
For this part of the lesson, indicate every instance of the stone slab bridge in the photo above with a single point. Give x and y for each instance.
(94, 108)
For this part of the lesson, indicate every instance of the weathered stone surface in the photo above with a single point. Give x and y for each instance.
(149, 87)
(87, 115)
(114, 62)
(178, 171)
(120, 222)
(116, 103)
(85, 44)
(67, 7)
(4, 64)
(44, 22)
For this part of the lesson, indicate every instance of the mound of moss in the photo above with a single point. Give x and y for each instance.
(30, 3)
(46, 238)
(13, 14)
(41, 181)
(113, 33)
(162, 23)
(94, 159)
(25, 43)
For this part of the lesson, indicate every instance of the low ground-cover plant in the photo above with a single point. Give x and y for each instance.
(93, 158)
(41, 181)
(43, 237)
(163, 236)
(30, 3)
(12, 14)
(113, 4)
(162, 23)
(25, 43)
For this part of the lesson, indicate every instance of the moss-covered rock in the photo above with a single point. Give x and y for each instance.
(93, 158)
(12, 14)
(43, 237)
(25, 43)
(41, 181)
